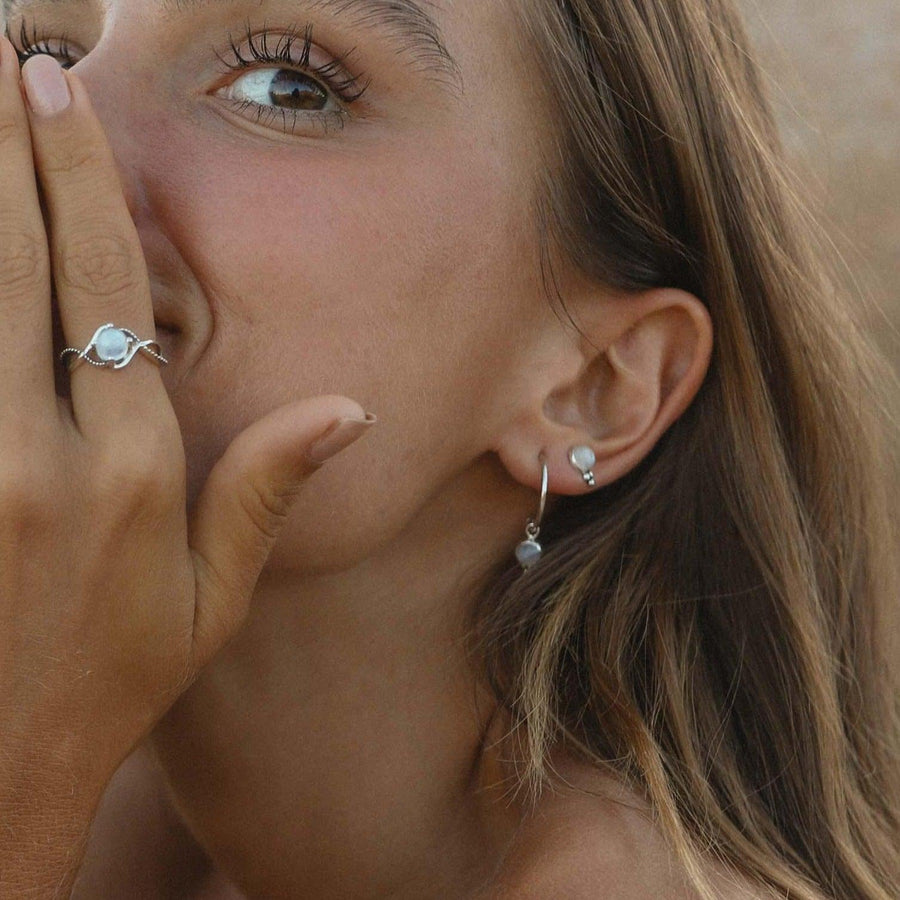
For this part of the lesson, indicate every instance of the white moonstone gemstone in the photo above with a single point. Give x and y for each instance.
(583, 457)
(528, 553)
(112, 345)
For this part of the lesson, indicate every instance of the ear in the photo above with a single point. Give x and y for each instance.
(616, 387)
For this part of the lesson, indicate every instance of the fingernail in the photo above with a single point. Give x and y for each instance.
(45, 85)
(340, 436)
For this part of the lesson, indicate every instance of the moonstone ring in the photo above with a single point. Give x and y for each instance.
(115, 347)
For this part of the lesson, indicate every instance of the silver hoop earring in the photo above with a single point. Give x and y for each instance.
(583, 459)
(529, 551)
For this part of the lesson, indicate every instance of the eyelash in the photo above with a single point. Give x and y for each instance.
(37, 44)
(331, 75)
(349, 89)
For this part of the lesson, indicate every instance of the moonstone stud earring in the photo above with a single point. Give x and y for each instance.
(583, 459)
(529, 551)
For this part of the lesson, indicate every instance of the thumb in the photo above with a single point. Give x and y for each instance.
(244, 504)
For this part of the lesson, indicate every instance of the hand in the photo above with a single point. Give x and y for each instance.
(110, 599)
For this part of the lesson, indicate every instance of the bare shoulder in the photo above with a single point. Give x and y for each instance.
(599, 846)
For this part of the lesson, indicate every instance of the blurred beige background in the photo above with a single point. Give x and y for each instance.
(833, 68)
(834, 75)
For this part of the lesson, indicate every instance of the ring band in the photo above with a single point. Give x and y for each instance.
(115, 347)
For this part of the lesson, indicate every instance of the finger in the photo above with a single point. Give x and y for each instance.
(97, 259)
(245, 502)
(26, 334)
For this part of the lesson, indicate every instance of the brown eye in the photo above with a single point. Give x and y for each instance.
(293, 90)
(294, 94)
(278, 88)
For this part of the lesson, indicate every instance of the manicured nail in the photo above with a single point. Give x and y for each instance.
(45, 84)
(340, 436)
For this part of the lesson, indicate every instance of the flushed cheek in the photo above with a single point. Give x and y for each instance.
(319, 253)
(384, 279)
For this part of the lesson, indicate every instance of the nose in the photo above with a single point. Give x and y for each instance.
(111, 89)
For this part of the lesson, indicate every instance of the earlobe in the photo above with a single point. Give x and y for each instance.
(529, 551)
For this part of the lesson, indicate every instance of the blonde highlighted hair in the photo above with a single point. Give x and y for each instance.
(713, 628)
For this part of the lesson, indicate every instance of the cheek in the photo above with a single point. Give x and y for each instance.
(390, 277)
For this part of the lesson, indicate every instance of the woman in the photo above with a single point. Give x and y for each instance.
(599, 608)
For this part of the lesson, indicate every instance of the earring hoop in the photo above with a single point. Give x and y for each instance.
(529, 551)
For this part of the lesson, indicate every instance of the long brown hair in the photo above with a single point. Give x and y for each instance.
(713, 627)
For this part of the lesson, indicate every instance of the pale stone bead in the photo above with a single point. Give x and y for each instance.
(528, 553)
(112, 345)
(583, 457)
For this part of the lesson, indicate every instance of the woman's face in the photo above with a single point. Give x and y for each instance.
(381, 248)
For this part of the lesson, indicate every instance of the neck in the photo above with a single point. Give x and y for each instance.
(333, 749)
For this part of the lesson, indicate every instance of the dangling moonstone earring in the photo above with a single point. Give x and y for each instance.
(529, 551)
(583, 459)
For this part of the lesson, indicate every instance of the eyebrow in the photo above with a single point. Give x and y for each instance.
(416, 31)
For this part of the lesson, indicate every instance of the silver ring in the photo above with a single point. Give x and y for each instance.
(115, 348)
